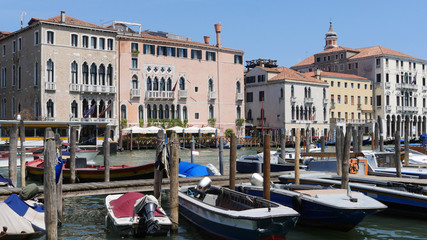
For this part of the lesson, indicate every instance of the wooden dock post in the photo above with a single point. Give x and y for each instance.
(59, 198)
(131, 140)
(360, 136)
(397, 161)
(339, 146)
(73, 138)
(23, 151)
(282, 146)
(322, 144)
(380, 126)
(158, 174)
(406, 141)
(221, 156)
(307, 141)
(346, 158)
(355, 140)
(50, 202)
(106, 148)
(297, 153)
(266, 167)
(192, 149)
(174, 164)
(13, 151)
(377, 136)
(233, 149)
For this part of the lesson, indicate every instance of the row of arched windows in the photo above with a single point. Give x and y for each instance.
(92, 109)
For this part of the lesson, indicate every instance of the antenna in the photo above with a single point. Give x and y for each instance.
(23, 13)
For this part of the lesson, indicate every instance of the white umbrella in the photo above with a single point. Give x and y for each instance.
(134, 129)
(176, 129)
(209, 130)
(192, 129)
(152, 130)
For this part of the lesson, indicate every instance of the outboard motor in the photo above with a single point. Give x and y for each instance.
(256, 180)
(203, 185)
(147, 224)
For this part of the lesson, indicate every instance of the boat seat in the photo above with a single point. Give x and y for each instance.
(313, 193)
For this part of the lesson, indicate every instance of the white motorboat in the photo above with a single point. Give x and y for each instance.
(136, 214)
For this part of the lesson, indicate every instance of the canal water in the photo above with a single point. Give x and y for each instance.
(84, 216)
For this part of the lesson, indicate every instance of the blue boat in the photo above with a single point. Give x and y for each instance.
(227, 146)
(187, 169)
(398, 202)
(229, 214)
(334, 209)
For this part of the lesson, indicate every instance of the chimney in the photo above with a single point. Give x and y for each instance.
(218, 34)
(206, 39)
(317, 73)
(62, 16)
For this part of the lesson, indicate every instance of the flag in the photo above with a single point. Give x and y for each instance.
(90, 111)
(406, 77)
(173, 89)
(414, 81)
(105, 110)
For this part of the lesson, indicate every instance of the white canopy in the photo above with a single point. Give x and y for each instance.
(148, 130)
(176, 129)
(209, 130)
(192, 129)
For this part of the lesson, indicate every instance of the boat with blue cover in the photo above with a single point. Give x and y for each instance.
(230, 214)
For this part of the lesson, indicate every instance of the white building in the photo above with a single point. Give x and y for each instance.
(281, 98)
(399, 91)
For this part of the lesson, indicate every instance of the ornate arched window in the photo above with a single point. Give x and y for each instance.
(123, 111)
(74, 75)
(162, 84)
(93, 74)
(210, 85)
(149, 115)
(156, 84)
(238, 89)
(49, 108)
(49, 71)
(181, 83)
(172, 111)
(135, 82)
(167, 111)
(154, 111)
(85, 73)
(74, 109)
(140, 112)
(102, 74)
(184, 112)
(110, 75)
(169, 85)
(211, 111)
(238, 112)
(160, 111)
(149, 84)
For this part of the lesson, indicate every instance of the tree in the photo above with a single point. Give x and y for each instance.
(124, 123)
(211, 122)
(228, 132)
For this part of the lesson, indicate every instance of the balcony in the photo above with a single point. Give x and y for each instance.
(424, 110)
(293, 99)
(135, 93)
(388, 108)
(406, 86)
(387, 85)
(407, 109)
(212, 95)
(160, 95)
(308, 100)
(87, 88)
(182, 94)
(424, 88)
(51, 86)
(74, 87)
(347, 120)
(239, 96)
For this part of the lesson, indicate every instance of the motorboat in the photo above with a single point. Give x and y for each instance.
(135, 214)
(398, 202)
(255, 164)
(234, 215)
(337, 209)
(93, 173)
(188, 169)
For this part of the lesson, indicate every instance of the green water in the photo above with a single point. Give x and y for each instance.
(84, 216)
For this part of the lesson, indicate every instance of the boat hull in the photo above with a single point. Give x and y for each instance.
(257, 167)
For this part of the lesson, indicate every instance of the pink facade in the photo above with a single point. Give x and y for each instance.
(163, 76)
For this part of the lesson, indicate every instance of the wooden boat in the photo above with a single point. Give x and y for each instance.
(398, 202)
(233, 215)
(93, 173)
(255, 164)
(135, 214)
(335, 209)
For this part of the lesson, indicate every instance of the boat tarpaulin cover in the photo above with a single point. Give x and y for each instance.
(123, 206)
(192, 170)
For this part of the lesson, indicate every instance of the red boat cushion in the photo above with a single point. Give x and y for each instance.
(123, 206)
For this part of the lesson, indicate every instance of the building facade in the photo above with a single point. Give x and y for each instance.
(399, 88)
(281, 98)
(58, 69)
(164, 76)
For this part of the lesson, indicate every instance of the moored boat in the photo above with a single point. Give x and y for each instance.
(93, 173)
(233, 215)
(135, 214)
(329, 208)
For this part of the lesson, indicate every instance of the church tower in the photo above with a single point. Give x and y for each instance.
(331, 38)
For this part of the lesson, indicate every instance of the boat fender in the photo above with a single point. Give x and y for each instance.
(354, 168)
(297, 202)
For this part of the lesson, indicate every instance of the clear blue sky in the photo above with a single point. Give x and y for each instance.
(288, 31)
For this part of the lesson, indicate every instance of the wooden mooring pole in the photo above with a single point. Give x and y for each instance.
(233, 150)
(23, 151)
(158, 174)
(297, 153)
(339, 146)
(50, 202)
(13, 151)
(266, 167)
(346, 158)
(380, 126)
(221, 156)
(73, 153)
(106, 148)
(192, 149)
(397, 161)
(406, 141)
(59, 198)
(174, 171)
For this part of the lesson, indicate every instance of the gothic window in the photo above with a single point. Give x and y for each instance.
(210, 84)
(85, 73)
(162, 84)
(74, 108)
(102, 74)
(74, 78)
(110, 75)
(167, 111)
(49, 70)
(93, 74)
(49, 108)
(123, 111)
(148, 111)
(134, 82)
(211, 111)
(149, 85)
(184, 112)
(169, 85)
(156, 84)
(181, 83)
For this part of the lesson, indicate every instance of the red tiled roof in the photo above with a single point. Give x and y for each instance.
(69, 21)
(289, 74)
(361, 53)
(4, 34)
(335, 74)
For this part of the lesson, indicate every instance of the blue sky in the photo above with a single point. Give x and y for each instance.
(288, 31)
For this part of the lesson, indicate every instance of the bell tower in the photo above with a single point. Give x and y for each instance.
(330, 38)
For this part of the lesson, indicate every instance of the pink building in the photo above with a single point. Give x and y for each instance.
(166, 76)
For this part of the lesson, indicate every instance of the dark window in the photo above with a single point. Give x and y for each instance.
(102, 43)
(196, 54)
(238, 59)
(210, 56)
(93, 41)
(134, 62)
(85, 41)
(378, 77)
(386, 77)
(110, 43)
(378, 100)
(134, 47)
(74, 40)
(50, 37)
(149, 49)
(249, 97)
(181, 52)
(261, 96)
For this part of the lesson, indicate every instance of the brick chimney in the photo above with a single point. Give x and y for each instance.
(218, 34)
(206, 38)
(62, 16)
